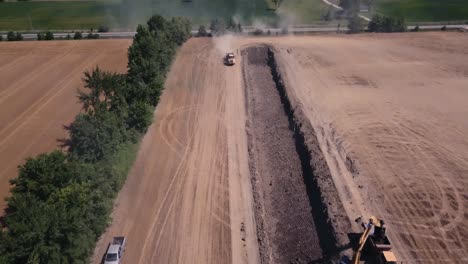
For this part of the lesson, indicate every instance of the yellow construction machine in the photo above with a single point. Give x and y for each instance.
(375, 244)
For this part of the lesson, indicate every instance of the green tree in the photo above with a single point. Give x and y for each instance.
(40, 36)
(11, 36)
(103, 28)
(355, 24)
(231, 25)
(179, 30)
(140, 116)
(239, 27)
(92, 138)
(104, 91)
(18, 36)
(77, 35)
(42, 176)
(202, 31)
(217, 27)
(149, 58)
(49, 35)
(381, 23)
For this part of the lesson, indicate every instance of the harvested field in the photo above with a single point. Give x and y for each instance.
(38, 88)
(390, 114)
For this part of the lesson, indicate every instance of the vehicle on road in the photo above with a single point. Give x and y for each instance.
(230, 59)
(115, 251)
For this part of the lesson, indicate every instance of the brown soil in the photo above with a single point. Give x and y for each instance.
(285, 224)
(385, 113)
(187, 198)
(38, 88)
(390, 115)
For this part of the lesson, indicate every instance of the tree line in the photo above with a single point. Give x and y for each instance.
(48, 35)
(61, 202)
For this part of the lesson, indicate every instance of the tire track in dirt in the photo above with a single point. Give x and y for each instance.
(174, 207)
(404, 136)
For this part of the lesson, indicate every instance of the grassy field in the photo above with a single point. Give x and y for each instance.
(425, 10)
(69, 15)
(56, 15)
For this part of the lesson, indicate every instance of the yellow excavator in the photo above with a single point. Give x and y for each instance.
(375, 243)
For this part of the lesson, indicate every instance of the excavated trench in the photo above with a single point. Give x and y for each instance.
(294, 223)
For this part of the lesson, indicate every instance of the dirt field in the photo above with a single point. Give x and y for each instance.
(390, 115)
(38, 83)
(187, 197)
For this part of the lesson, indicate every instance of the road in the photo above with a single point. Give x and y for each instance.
(188, 198)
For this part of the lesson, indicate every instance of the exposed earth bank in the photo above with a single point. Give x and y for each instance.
(299, 217)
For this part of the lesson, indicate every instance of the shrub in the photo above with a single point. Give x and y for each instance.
(77, 35)
(68, 37)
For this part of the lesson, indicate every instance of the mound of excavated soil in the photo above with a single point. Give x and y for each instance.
(285, 223)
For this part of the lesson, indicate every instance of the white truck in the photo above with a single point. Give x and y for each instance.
(230, 59)
(115, 251)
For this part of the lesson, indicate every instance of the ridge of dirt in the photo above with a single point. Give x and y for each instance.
(286, 229)
(336, 222)
(299, 215)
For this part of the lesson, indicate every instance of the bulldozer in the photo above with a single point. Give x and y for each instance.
(374, 244)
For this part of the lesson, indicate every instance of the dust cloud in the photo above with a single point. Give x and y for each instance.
(224, 44)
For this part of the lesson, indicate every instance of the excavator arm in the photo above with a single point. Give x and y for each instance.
(362, 242)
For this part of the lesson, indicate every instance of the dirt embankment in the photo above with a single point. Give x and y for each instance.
(299, 216)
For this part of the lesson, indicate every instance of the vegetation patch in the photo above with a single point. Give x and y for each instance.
(56, 15)
(424, 10)
(83, 15)
(61, 202)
